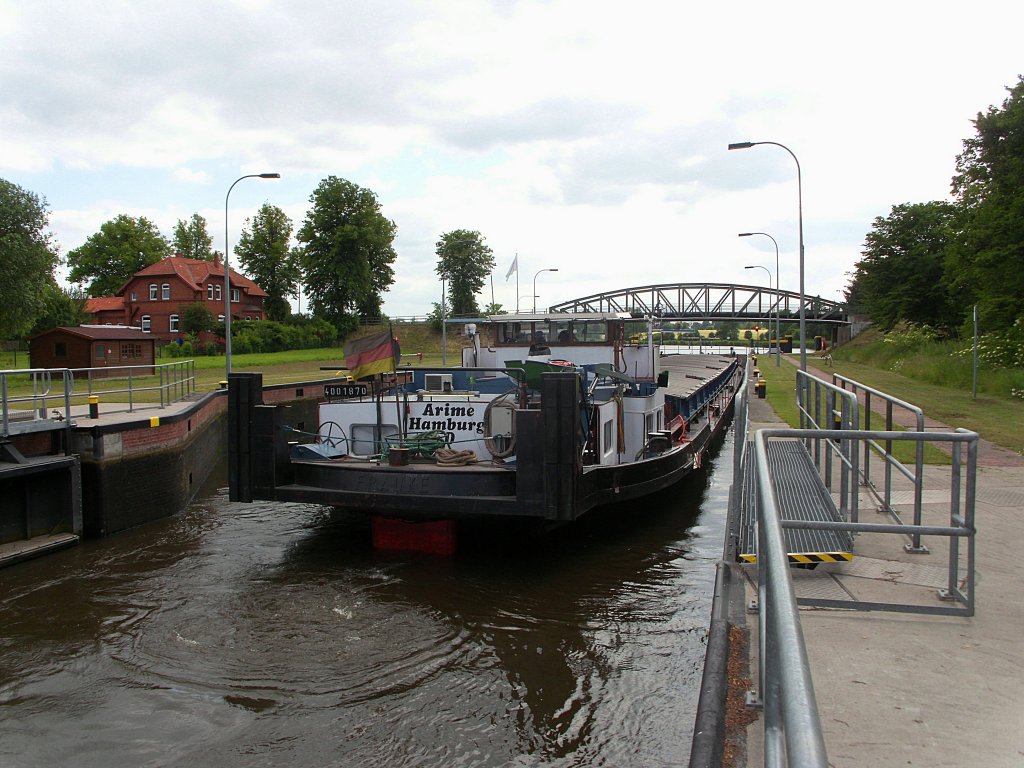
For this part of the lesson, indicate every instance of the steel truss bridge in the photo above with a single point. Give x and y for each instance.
(709, 301)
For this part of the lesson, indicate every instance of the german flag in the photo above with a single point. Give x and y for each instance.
(371, 354)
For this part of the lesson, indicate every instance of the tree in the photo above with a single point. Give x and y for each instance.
(986, 266)
(122, 247)
(347, 253)
(901, 274)
(60, 307)
(27, 259)
(264, 254)
(192, 240)
(196, 318)
(464, 262)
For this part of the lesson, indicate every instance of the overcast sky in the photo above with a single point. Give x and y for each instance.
(584, 136)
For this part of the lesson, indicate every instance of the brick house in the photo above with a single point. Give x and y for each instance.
(155, 298)
(92, 346)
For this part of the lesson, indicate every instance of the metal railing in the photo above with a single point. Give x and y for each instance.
(825, 406)
(31, 413)
(890, 461)
(792, 727)
(173, 382)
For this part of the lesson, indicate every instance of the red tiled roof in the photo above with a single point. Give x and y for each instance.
(197, 273)
(104, 304)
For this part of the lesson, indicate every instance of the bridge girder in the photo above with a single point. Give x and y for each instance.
(708, 301)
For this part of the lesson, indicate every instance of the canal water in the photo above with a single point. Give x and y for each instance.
(270, 634)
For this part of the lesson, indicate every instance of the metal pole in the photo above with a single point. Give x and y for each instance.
(974, 377)
(552, 269)
(800, 214)
(227, 270)
(768, 271)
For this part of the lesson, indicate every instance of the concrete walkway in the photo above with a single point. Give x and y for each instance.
(903, 689)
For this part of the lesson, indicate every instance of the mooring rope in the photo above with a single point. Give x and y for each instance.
(446, 457)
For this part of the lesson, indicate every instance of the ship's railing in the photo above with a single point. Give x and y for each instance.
(884, 498)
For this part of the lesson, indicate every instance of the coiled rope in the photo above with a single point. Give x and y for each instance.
(446, 457)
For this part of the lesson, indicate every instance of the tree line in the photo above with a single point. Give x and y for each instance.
(932, 263)
(342, 257)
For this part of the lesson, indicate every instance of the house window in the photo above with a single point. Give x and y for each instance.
(173, 326)
(218, 292)
(152, 291)
(134, 296)
(235, 296)
(220, 318)
(130, 351)
(101, 352)
(60, 349)
(165, 291)
(209, 291)
(146, 323)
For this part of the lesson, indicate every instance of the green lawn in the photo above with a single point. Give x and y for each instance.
(997, 419)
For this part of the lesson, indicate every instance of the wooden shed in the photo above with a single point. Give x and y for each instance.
(93, 346)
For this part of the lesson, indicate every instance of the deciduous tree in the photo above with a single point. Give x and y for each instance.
(987, 265)
(192, 240)
(347, 253)
(123, 246)
(464, 261)
(263, 250)
(28, 258)
(901, 274)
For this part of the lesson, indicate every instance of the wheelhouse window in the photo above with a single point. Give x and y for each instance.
(165, 291)
(146, 323)
(173, 324)
(152, 291)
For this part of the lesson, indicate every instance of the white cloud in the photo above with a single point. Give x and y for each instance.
(585, 135)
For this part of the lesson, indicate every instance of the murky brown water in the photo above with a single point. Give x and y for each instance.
(267, 635)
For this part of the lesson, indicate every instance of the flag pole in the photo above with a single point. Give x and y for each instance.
(398, 401)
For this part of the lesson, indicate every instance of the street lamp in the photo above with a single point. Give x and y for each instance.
(552, 269)
(227, 271)
(800, 211)
(769, 273)
(444, 324)
(778, 296)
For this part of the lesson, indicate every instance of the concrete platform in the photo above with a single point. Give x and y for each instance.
(904, 690)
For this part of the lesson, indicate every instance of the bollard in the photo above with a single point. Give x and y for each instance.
(94, 406)
(761, 387)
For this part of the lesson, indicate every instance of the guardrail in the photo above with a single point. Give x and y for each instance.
(174, 382)
(885, 498)
(35, 417)
(822, 406)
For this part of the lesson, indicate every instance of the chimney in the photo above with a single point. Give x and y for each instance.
(216, 258)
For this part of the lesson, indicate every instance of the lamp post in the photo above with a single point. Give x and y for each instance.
(227, 270)
(551, 269)
(800, 212)
(778, 296)
(444, 313)
(769, 273)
